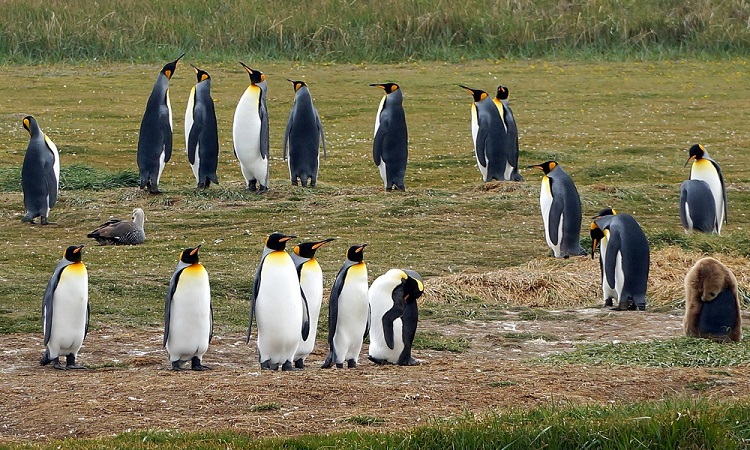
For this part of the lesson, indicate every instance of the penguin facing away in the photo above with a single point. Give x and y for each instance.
(302, 138)
(348, 311)
(40, 174)
(390, 144)
(506, 114)
(490, 136)
(561, 211)
(311, 281)
(393, 316)
(121, 232)
(279, 305)
(65, 310)
(201, 134)
(697, 207)
(155, 134)
(188, 313)
(250, 132)
(706, 169)
(626, 260)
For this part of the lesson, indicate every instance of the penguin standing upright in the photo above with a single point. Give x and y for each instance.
(311, 281)
(706, 169)
(390, 145)
(302, 137)
(40, 174)
(697, 206)
(65, 310)
(279, 305)
(393, 316)
(348, 311)
(490, 137)
(250, 132)
(188, 314)
(155, 134)
(201, 134)
(511, 133)
(626, 258)
(561, 211)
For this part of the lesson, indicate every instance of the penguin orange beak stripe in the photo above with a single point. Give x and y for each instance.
(195, 250)
(78, 249)
(286, 238)
(322, 243)
(361, 247)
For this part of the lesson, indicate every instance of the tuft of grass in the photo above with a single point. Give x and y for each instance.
(529, 336)
(273, 406)
(75, 177)
(431, 340)
(368, 421)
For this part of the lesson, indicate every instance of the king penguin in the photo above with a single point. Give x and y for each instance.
(250, 132)
(697, 206)
(155, 135)
(40, 174)
(706, 169)
(608, 290)
(302, 138)
(65, 310)
(390, 144)
(511, 133)
(279, 305)
(393, 316)
(188, 314)
(201, 134)
(626, 259)
(561, 211)
(348, 311)
(311, 281)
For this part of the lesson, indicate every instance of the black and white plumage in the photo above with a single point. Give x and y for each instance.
(201, 133)
(697, 207)
(250, 132)
(511, 129)
(121, 232)
(302, 138)
(40, 174)
(390, 147)
(706, 169)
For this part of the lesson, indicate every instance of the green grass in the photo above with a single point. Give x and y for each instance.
(430, 340)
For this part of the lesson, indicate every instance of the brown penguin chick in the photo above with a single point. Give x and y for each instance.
(712, 302)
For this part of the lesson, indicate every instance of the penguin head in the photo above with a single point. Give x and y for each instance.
(356, 253)
(695, 152)
(387, 87)
(256, 76)
(545, 167)
(201, 74)
(605, 212)
(597, 234)
(190, 255)
(502, 93)
(170, 67)
(413, 286)
(297, 84)
(277, 241)
(478, 94)
(29, 123)
(307, 249)
(74, 253)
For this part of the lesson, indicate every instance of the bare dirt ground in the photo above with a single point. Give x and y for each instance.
(139, 393)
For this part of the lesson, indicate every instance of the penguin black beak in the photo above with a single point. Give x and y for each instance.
(594, 243)
(692, 157)
(179, 58)
(322, 243)
(249, 70)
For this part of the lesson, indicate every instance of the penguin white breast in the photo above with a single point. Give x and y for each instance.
(353, 309)
(545, 202)
(56, 154)
(69, 304)
(246, 135)
(169, 108)
(190, 314)
(619, 275)
(188, 127)
(377, 116)
(703, 169)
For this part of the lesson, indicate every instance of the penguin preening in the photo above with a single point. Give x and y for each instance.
(561, 211)
(503, 107)
(311, 282)
(302, 138)
(188, 314)
(155, 134)
(40, 174)
(697, 206)
(625, 259)
(712, 302)
(390, 144)
(250, 132)
(393, 316)
(279, 305)
(608, 290)
(121, 232)
(201, 134)
(706, 169)
(65, 310)
(348, 311)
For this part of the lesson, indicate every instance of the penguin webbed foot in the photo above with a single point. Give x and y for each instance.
(195, 364)
(410, 362)
(45, 359)
(328, 362)
(339, 365)
(287, 366)
(56, 364)
(263, 189)
(299, 364)
(608, 302)
(45, 221)
(378, 361)
(26, 219)
(177, 366)
(70, 363)
(251, 185)
(351, 363)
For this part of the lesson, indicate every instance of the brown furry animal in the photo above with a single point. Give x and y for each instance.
(712, 303)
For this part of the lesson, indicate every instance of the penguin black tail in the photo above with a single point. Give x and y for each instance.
(45, 359)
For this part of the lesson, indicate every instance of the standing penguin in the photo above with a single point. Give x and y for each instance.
(188, 314)
(390, 145)
(302, 137)
(40, 174)
(626, 259)
(250, 132)
(155, 135)
(393, 316)
(311, 282)
(511, 135)
(65, 310)
(278, 303)
(697, 206)
(561, 211)
(201, 134)
(706, 169)
(348, 311)
(490, 137)
(608, 290)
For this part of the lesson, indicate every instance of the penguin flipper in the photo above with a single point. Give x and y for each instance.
(49, 294)
(333, 305)
(256, 290)
(166, 130)
(88, 317)
(379, 142)
(265, 143)
(320, 132)
(408, 331)
(614, 246)
(394, 313)
(51, 180)
(193, 139)
(305, 316)
(168, 304)
(480, 146)
(287, 132)
(723, 187)
(211, 327)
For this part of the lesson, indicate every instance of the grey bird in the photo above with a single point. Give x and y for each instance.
(121, 232)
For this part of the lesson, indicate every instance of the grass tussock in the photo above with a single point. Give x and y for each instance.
(75, 177)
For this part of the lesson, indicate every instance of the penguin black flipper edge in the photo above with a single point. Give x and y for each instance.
(305, 316)
(555, 213)
(47, 305)
(394, 313)
(256, 290)
(168, 305)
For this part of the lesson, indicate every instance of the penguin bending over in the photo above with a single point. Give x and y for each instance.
(348, 311)
(393, 316)
(121, 232)
(390, 145)
(561, 211)
(490, 136)
(626, 259)
(155, 134)
(503, 107)
(608, 290)
(201, 134)
(40, 174)
(188, 314)
(311, 281)
(65, 310)
(279, 305)
(302, 137)
(697, 206)
(250, 132)
(706, 169)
